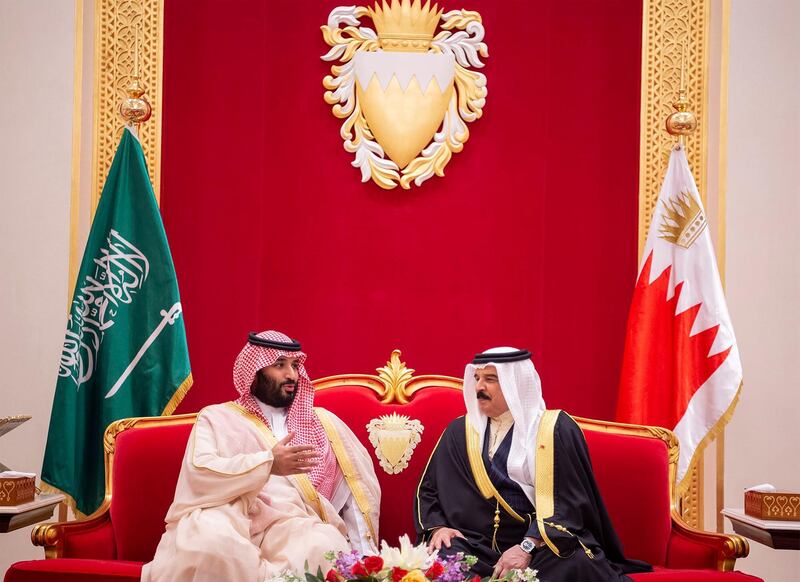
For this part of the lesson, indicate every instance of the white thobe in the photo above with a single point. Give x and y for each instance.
(342, 499)
(231, 519)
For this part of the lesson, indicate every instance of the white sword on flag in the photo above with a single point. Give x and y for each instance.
(167, 317)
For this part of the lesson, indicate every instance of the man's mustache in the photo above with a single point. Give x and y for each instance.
(483, 395)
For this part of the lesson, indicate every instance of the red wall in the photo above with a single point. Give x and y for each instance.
(530, 239)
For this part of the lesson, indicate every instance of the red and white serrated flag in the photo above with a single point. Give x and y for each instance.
(681, 367)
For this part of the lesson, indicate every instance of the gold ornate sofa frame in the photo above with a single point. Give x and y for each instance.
(394, 384)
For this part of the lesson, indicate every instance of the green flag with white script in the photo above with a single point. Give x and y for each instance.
(125, 351)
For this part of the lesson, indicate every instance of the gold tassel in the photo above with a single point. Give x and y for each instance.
(69, 501)
(561, 528)
(496, 526)
(587, 550)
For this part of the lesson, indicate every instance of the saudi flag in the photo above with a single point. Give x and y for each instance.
(125, 348)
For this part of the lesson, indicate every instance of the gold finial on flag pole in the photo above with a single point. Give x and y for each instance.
(682, 122)
(135, 109)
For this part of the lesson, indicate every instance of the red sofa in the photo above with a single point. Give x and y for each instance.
(635, 468)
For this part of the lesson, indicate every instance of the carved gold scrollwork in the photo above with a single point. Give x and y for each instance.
(689, 495)
(47, 536)
(668, 26)
(394, 384)
(395, 377)
(669, 439)
(117, 24)
(110, 436)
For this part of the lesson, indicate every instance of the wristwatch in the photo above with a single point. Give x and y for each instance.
(527, 546)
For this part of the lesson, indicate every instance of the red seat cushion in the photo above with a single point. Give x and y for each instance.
(146, 467)
(669, 575)
(74, 570)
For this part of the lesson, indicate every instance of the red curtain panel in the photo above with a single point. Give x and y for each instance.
(529, 240)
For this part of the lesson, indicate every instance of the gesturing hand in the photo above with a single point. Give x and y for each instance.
(443, 535)
(292, 460)
(512, 559)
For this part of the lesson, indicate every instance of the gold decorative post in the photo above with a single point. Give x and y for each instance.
(667, 27)
(128, 44)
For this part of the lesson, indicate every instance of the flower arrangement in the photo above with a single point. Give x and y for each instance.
(408, 563)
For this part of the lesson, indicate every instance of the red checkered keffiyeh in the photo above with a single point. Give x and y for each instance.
(300, 418)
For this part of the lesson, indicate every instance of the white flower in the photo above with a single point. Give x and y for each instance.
(526, 575)
(408, 556)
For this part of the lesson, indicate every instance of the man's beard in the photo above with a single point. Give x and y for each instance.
(270, 392)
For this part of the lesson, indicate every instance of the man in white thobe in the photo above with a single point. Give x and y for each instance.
(268, 483)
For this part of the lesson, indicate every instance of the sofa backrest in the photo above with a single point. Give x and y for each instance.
(433, 407)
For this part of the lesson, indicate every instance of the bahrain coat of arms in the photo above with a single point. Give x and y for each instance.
(394, 436)
(407, 88)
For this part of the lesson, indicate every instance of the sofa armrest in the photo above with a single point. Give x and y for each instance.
(89, 538)
(690, 547)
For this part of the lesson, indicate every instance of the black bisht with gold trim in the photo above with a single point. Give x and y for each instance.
(462, 489)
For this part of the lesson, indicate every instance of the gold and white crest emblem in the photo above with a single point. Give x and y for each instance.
(394, 436)
(683, 220)
(405, 95)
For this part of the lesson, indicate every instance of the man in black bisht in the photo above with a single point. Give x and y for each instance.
(493, 489)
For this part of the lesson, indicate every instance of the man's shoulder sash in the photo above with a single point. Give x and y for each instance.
(544, 481)
(544, 471)
(479, 473)
(347, 466)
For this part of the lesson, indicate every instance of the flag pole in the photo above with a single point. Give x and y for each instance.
(681, 123)
(135, 109)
